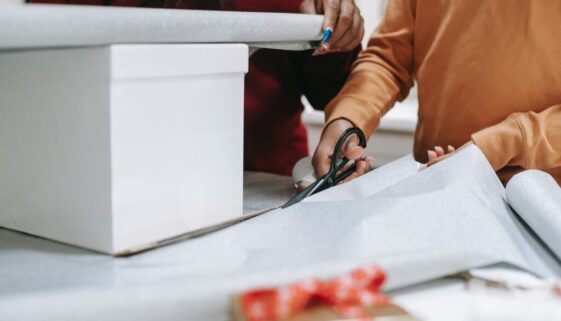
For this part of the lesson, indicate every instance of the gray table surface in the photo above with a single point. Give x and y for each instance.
(30, 264)
(262, 190)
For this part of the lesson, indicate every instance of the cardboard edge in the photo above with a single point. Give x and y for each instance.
(192, 234)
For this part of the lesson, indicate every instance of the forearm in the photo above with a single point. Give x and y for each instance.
(530, 140)
(382, 74)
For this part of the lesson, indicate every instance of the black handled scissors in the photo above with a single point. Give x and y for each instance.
(332, 178)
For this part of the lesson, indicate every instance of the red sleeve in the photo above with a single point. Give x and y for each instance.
(84, 2)
(170, 4)
(289, 6)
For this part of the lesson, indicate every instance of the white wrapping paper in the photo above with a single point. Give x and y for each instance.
(39, 26)
(418, 226)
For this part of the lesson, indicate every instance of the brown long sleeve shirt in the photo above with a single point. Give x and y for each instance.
(489, 71)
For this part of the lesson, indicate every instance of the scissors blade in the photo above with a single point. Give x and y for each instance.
(310, 190)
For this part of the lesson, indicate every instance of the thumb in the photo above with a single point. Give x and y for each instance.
(352, 149)
(322, 159)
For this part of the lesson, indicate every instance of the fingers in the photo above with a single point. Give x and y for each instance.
(301, 185)
(344, 19)
(437, 155)
(362, 166)
(344, 22)
(431, 155)
(352, 38)
(322, 156)
(350, 178)
(322, 159)
(437, 160)
(354, 153)
(439, 151)
(352, 150)
(331, 10)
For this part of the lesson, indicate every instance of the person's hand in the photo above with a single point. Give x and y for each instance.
(439, 154)
(324, 152)
(343, 17)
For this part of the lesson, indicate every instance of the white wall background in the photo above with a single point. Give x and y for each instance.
(372, 11)
(10, 2)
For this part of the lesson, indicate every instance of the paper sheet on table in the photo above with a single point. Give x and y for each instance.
(455, 198)
(536, 197)
(370, 184)
(418, 226)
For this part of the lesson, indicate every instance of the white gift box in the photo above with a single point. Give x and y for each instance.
(117, 148)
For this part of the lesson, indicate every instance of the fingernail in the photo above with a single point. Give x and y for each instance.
(318, 52)
(321, 50)
(327, 34)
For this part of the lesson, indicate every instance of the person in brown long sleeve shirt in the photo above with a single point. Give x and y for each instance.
(487, 72)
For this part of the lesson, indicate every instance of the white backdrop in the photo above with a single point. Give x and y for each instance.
(10, 2)
(372, 12)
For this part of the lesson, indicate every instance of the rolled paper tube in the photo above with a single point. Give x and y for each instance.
(303, 172)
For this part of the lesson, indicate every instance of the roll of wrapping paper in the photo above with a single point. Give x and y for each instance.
(36, 26)
(536, 198)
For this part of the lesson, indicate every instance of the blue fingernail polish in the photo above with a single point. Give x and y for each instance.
(326, 35)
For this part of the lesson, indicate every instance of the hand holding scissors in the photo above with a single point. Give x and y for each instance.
(336, 173)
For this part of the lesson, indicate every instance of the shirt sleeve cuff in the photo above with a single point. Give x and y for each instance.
(353, 110)
(502, 144)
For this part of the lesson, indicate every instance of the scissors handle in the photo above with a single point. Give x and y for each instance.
(337, 165)
(331, 178)
(342, 176)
